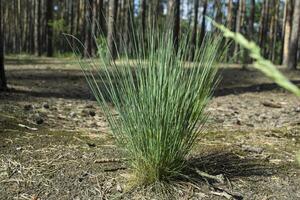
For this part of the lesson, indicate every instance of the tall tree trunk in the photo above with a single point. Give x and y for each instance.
(154, 12)
(287, 30)
(111, 33)
(37, 28)
(49, 19)
(292, 54)
(273, 30)
(143, 16)
(218, 9)
(203, 23)
(229, 19)
(101, 17)
(239, 24)
(2, 72)
(263, 25)
(88, 28)
(195, 27)
(250, 31)
(174, 19)
(252, 19)
(128, 25)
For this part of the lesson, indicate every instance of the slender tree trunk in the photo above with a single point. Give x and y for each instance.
(143, 16)
(239, 24)
(174, 19)
(287, 30)
(111, 34)
(292, 54)
(273, 30)
(229, 20)
(195, 27)
(101, 17)
(252, 19)
(203, 23)
(128, 25)
(37, 28)
(262, 24)
(154, 12)
(250, 31)
(2, 72)
(218, 8)
(88, 28)
(49, 18)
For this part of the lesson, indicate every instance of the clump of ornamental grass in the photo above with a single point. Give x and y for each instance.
(158, 99)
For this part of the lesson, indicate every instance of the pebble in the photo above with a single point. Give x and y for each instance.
(38, 119)
(249, 148)
(46, 105)
(119, 188)
(92, 113)
(72, 114)
(28, 107)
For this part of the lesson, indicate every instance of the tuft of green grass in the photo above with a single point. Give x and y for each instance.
(159, 100)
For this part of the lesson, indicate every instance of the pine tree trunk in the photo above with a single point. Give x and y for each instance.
(143, 16)
(2, 72)
(292, 54)
(287, 31)
(49, 18)
(229, 18)
(273, 30)
(128, 25)
(239, 23)
(101, 17)
(195, 27)
(203, 23)
(111, 30)
(37, 28)
(88, 28)
(174, 19)
(218, 8)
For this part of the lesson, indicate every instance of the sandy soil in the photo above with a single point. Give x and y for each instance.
(55, 143)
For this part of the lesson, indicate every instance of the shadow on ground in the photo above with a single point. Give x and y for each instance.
(71, 84)
(229, 164)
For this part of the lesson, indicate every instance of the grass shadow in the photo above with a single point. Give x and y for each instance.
(229, 164)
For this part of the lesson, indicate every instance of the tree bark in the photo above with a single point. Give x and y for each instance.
(203, 23)
(2, 72)
(239, 24)
(143, 16)
(218, 8)
(101, 17)
(273, 30)
(174, 19)
(111, 33)
(49, 19)
(37, 28)
(195, 27)
(88, 29)
(287, 30)
(292, 54)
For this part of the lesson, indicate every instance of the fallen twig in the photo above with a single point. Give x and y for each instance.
(223, 194)
(107, 160)
(115, 169)
(27, 127)
(219, 178)
(271, 105)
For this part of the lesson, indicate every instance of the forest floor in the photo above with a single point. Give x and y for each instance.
(55, 143)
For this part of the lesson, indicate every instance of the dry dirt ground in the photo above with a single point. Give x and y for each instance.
(55, 143)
